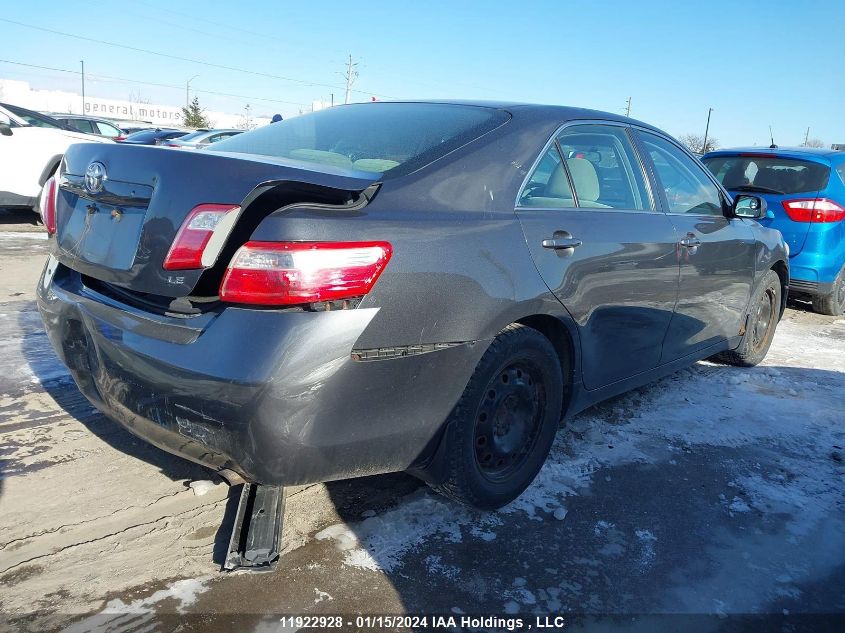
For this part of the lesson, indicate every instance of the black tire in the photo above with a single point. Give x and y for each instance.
(760, 330)
(833, 303)
(501, 431)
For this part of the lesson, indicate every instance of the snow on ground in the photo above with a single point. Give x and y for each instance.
(793, 404)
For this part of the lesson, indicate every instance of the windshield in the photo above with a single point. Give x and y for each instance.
(768, 174)
(390, 138)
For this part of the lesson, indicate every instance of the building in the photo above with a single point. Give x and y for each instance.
(22, 94)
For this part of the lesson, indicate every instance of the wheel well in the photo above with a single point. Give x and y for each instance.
(561, 339)
(783, 272)
(51, 167)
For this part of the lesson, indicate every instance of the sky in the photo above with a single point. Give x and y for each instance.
(756, 63)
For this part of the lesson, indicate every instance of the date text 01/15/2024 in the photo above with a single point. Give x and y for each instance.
(434, 622)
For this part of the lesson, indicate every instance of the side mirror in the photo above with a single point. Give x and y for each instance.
(5, 129)
(750, 207)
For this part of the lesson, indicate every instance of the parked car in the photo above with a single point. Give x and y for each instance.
(379, 287)
(805, 192)
(201, 138)
(29, 155)
(36, 118)
(156, 136)
(90, 125)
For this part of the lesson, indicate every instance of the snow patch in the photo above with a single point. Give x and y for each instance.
(120, 617)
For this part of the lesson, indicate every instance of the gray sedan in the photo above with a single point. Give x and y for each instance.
(428, 287)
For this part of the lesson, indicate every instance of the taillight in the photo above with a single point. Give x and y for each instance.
(119, 138)
(814, 210)
(286, 273)
(201, 236)
(48, 202)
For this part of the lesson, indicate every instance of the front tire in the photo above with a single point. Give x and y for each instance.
(833, 303)
(762, 322)
(501, 431)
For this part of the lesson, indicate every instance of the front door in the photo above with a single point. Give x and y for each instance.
(715, 252)
(603, 248)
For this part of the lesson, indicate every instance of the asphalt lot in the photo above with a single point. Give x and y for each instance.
(716, 491)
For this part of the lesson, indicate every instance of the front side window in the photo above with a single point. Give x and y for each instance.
(604, 167)
(764, 173)
(108, 130)
(687, 187)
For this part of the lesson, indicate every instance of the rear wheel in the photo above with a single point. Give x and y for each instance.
(502, 429)
(832, 303)
(762, 322)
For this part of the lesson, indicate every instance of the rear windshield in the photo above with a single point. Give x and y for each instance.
(768, 174)
(190, 136)
(388, 138)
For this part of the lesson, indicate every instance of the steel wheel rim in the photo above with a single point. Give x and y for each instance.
(508, 421)
(764, 319)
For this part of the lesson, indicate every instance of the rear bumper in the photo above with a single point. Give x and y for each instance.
(809, 287)
(272, 395)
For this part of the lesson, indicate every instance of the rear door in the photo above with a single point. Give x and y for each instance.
(602, 247)
(716, 254)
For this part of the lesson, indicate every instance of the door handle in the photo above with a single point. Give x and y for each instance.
(559, 243)
(690, 241)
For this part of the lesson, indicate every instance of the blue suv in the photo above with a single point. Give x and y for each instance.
(805, 192)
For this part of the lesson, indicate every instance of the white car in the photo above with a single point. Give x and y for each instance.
(28, 157)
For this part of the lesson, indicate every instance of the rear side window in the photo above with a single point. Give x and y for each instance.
(841, 171)
(604, 168)
(768, 174)
(389, 138)
(549, 185)
(686, 184)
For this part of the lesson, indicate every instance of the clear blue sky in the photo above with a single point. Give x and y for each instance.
(756, 63)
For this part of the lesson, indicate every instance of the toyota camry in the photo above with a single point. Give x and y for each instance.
(430, 287)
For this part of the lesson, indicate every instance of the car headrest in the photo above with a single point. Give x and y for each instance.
(584, 178)
(558, 185)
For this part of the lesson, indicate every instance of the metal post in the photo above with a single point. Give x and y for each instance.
(706, 131)
(82, 61)
(188, 91)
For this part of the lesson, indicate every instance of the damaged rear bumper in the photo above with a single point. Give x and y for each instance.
(276, 396)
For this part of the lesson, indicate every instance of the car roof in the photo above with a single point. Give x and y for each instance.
(535, 110)
(83, 116)
(794, 152)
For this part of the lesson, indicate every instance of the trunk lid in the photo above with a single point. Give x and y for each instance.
(119, 227)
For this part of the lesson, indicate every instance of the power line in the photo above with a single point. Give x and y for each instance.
(108, 78)
(184, 59)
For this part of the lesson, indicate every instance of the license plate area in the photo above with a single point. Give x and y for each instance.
(103, 234)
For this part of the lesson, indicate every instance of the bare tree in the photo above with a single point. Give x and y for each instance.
(695, 143)
(815, 142)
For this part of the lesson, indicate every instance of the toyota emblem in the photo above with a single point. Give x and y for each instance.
(95, 177)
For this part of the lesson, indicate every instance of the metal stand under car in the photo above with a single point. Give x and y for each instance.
(257, 533)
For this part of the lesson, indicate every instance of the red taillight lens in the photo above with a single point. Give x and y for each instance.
(48, 203)
(814, 210)
(286, 273)
(119, 138)
(201, 236)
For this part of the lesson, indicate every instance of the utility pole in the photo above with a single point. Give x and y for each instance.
(82, 61)
(807, 137)
(188, 91)
(628, 107)
(706, 131)
(351, 75)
